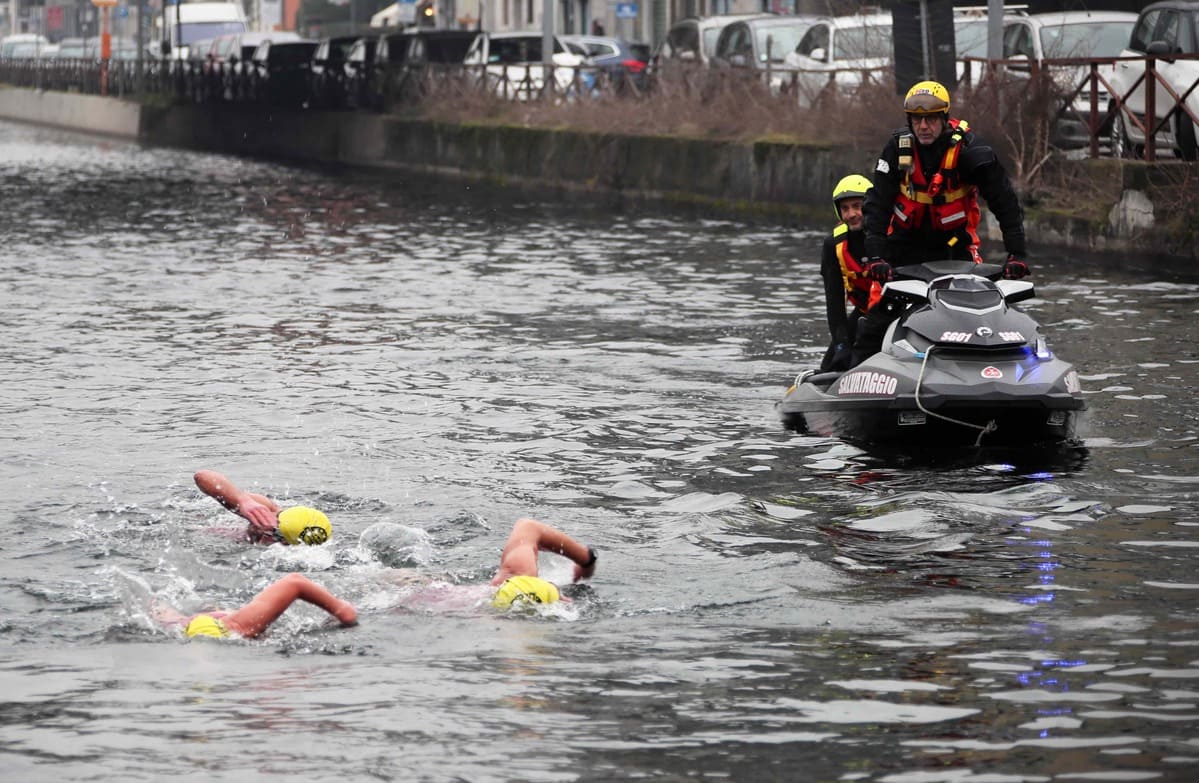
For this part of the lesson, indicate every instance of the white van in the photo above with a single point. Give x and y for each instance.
(179, 26)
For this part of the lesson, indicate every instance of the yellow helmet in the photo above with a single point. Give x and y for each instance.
(853, 186)
(927, 98)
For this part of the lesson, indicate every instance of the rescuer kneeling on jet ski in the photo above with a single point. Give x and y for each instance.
(844, 274)
(923, 205)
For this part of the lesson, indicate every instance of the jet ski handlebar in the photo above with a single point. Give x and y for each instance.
(931, 270)
(913, 282)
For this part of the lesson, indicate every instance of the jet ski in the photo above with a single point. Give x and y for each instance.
(960, 366)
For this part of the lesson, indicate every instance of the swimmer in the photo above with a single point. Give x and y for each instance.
(516, 582)
(262, 610)
(269, 523)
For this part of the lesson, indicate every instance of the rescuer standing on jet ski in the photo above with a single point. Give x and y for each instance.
(843, 272)
(924, 203)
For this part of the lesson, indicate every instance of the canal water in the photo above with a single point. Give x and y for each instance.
(429, 362)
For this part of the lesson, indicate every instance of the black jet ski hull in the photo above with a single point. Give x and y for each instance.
(902, 423)
(959, 367)
(877, 403)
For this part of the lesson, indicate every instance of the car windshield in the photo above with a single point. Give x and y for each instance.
(970, 38)
(1089, 39)
(783, 39)
(518, 49)
(201, 30)
(447, 50)
(599, 50)
(862, 43)
(397, 49)
(293, 54)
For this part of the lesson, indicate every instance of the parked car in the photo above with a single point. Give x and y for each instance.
(360, 72)
(444, 47)
(70, 49)
(327, 76)
(761, 43)
(1030, 40)
(971, 27)
(1162, 29)
(619, 60)
(119, 48)
(511, 65)
(229, 60)
(694, 39)
(25, 50)
(280, 72)
(126, 50)
(22, 45)
(401, 60)
(841, 51)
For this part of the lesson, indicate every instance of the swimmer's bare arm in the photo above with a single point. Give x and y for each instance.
(259, 510)
(254, 618)
(528, 537)
(167, 615)
(406, 576)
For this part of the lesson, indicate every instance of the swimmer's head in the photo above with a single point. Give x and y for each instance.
(206, 625)
(303, 525)
(524, 590)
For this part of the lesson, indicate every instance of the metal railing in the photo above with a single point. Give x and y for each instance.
(383, 88)
(1104, 102)
(1151, 127)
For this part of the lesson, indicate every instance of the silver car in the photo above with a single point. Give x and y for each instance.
(694, 40)
(1162, 29)
(1030, 40)
(761, 44)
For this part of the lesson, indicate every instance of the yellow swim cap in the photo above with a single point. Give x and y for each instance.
(303, 525)
(524, 589)
(206, 625)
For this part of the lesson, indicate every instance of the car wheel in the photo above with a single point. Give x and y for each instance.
(1187, 147)
(1118, 138)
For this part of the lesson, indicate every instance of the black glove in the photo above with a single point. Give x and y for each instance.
(841, 356)
(1014, 269)
(878, 270)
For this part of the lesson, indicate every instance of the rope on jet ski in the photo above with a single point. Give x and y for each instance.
(989, 427)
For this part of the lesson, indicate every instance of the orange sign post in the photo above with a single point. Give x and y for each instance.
(105, 41)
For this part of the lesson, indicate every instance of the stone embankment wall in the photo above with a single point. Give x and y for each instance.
(767, 178)
(68, 110)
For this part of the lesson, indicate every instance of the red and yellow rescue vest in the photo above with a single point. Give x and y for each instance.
(860, 290)
(943, 204)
